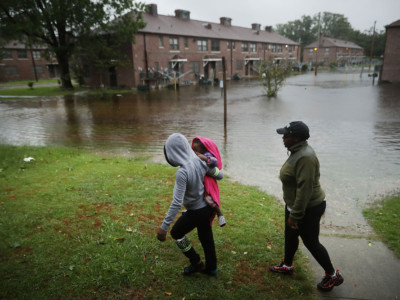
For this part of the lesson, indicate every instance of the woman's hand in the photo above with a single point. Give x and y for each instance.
(293, 224)
(161, 235)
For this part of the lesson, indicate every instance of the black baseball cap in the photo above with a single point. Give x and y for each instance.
(297, 128)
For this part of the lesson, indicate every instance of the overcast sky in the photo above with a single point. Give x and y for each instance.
(361, 14)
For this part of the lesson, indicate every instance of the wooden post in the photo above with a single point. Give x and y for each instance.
(316, 52)
(224, 82)
(372, 48)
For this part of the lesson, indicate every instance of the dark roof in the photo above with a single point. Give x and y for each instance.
(394, 24)
(332, 42)
(171, 25)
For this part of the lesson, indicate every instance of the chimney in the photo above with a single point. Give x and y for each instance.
(182, 14)
(255, 26)
(207, 25)
(268, 28)
(225, 21)
(152, 8)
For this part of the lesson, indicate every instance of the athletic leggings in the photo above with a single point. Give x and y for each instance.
(200, 219)
(309, 233)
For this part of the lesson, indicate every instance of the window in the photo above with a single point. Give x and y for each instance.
(202, 45)
(161, 41)
(10, 70)
(311, 50)
(233, 45)
(39, 70)
(36, 54)
(219, 66)
(7, 54)
(22, 54)
(157, 66)
(239, 65)
(253, 47)
(214, 45)
(279, 48)
(245, 47)
(173, 43)
(195, 67)
(327, 50)
(186, 42)
(290, 48)
(273, 48)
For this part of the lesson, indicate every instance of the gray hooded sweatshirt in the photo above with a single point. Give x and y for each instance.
(189, 181)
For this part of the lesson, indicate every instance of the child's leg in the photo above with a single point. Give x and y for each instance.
(221, 218)
(218, 210)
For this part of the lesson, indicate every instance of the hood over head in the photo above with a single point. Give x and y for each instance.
(211, 147)
(177, 150)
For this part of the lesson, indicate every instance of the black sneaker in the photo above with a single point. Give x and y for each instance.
(193, 269)
(328, 282)
(281, 268)
(210, 272)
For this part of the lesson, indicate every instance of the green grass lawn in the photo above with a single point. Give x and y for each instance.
(79, 225)
(384, 218)
(39, 91)
(52, 91)
(25, 82)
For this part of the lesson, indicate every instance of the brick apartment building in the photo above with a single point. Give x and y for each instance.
(191, 49)
(20, 62)
(331, 50)
(391, 58)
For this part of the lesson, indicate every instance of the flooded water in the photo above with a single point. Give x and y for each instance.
(354, 127)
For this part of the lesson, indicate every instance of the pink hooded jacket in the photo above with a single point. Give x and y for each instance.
(210, 184)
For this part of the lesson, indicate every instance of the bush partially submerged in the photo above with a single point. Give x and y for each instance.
(273, 75)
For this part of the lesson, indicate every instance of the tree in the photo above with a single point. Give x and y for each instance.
(304, 31)
(273, 75)
(335, 25)
(66, 26)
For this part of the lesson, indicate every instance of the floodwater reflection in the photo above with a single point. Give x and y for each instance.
(354, 129)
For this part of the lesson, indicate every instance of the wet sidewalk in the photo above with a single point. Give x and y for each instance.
(369, 268)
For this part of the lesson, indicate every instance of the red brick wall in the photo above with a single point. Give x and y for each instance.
(335, 54)
(24, 67)
(163, 55)
(135, 73)
(391, 61)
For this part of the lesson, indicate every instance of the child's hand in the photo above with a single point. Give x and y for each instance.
(202, 157)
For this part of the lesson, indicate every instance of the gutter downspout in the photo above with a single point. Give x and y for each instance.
(145, 58)
(231, 59)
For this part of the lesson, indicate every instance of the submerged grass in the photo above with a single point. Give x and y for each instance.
(79, 225)
(384, 218)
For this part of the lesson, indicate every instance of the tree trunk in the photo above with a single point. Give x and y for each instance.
(66, 82)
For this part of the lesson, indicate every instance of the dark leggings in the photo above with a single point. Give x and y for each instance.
(200, 219)
(309, 233)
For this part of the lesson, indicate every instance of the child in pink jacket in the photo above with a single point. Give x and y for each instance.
(208, 151)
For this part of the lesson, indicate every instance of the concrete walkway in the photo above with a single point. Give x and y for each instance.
(370, 269)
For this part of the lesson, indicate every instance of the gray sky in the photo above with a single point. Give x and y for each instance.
(361, 14)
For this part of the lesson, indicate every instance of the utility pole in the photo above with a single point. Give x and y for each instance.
(372, 48)
(317, 49)
(224, 87)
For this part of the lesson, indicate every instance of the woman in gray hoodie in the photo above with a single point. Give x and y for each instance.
(189, 192)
